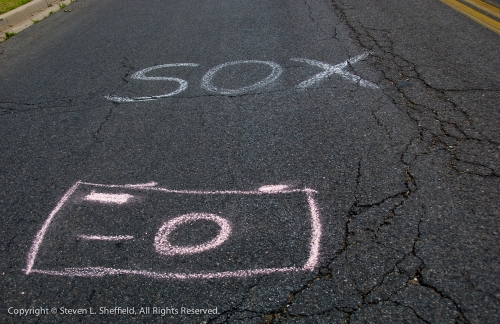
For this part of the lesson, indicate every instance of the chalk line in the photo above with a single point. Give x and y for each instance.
(108, 198)
(41, 233)
(101, 271)
(206, 82)
(141, 185)
(203, 192)
(273, 188)
(105, 238)
(315, 232)
(335, 69)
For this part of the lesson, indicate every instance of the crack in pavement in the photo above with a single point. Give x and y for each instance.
(421, 280)
(444, 136)
(318, 25)
(436, 131)
(226, 314)
(106, 118)
(411, 182)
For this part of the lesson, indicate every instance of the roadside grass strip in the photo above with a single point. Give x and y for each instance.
(481, 12)
(8, 5)
(27, 13)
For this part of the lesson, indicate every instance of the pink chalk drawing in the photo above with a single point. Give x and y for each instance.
(108, 198)
(270, 230)
(273, 188)
(105, 238)
(164, 247)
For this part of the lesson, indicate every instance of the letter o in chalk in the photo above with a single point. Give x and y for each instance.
(206, 81)
(163, 246)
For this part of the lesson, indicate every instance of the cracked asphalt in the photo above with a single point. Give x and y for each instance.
(406, 175)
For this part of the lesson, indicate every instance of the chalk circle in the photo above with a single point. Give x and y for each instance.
(206, 81)
(163, 246)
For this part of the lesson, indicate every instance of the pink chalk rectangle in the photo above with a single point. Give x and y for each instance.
(108, 198)
(161, 233)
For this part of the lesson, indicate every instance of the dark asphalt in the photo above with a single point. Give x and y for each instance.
(406, 175)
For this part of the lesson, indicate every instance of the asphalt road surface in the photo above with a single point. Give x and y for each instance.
(233, 161)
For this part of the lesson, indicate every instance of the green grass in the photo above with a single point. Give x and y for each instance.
(7, 5)
(9, 35)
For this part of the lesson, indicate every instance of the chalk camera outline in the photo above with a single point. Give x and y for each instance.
(311, 263)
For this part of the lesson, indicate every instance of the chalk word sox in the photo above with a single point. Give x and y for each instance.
(277, 70)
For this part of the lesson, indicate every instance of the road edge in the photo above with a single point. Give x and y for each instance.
(26, 15)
